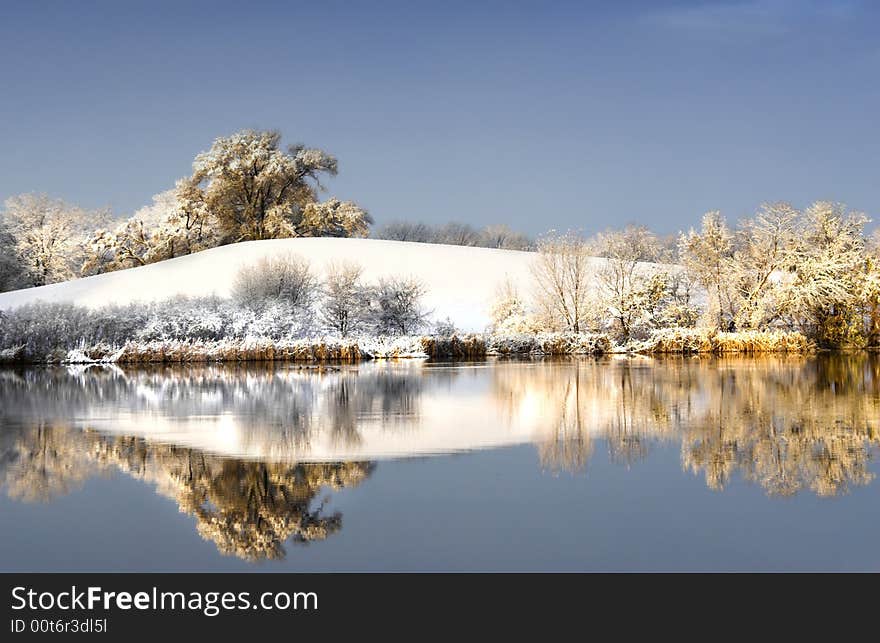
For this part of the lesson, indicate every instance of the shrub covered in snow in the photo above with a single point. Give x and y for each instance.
(395, 306)
(287, 279)
(549, 344)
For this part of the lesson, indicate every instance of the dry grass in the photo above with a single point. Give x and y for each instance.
(696, 340)
(466, 347)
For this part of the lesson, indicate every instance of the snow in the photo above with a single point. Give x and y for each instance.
(461, 281)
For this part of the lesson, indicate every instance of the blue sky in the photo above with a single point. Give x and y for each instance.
(539, 114)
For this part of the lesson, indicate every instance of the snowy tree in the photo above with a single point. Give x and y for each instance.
(346, 299)
(170, 227)
(334, 218)
(765, 249)
(395, 306)
(631, 294)
(819, 295)
(48, 235)
(252, 188)
(563, 278)
(708, 256)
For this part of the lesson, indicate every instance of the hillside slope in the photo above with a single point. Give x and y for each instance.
(461, 281)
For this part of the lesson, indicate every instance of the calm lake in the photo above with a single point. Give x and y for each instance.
(582, 464)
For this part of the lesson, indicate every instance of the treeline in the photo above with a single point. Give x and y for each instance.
(815, 272)
(455, 234)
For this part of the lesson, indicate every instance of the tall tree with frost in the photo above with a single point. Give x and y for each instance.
(820, 295)
(765, 251)
(254, 190)
(48, 235)
(708, 255)
(627, 288)
(562, 274)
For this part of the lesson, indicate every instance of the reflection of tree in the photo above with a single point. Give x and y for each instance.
(576, 399)
(786, 423)
(247, 508)
(38, 465)
(807, 425)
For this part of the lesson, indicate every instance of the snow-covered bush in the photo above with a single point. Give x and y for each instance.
(548, 344)
(206, 318)
(38, 329)
(445, 328)
(395, 306)
(286, 278)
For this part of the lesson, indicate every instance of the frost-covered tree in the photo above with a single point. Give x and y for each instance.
(287, 278)
(820, 293)
(134, 242)
(630, 292)
(765, 249)
(707, 254)
(334, 218)
(564, 280)
(396, 306)
(47, 236)
(346, 303)
(254, 190)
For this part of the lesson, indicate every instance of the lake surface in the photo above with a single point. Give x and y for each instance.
(581, 464)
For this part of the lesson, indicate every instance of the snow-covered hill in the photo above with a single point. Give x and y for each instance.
(461, 281)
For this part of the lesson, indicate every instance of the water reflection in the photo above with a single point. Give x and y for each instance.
(251, 452)
(249, 509)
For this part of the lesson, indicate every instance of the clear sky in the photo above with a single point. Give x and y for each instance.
(538, 114)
